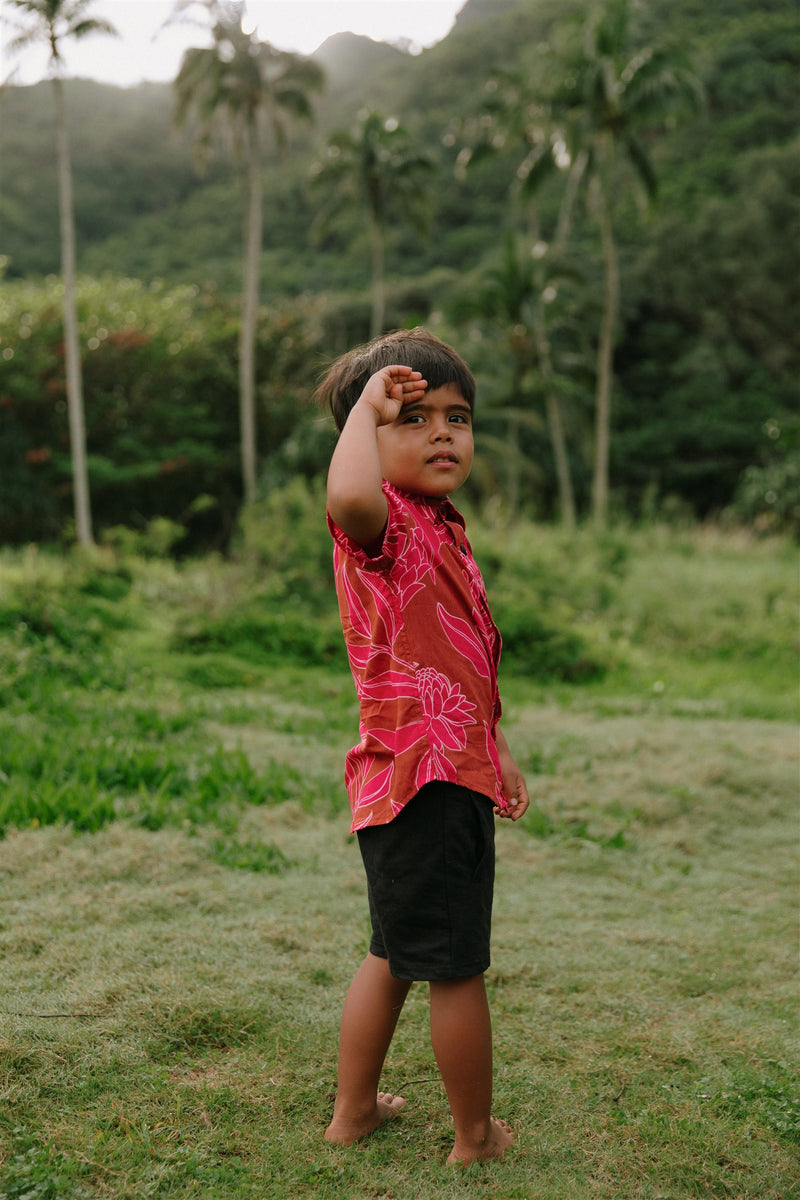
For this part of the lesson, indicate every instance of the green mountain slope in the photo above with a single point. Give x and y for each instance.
(135, 183)
(708, 358)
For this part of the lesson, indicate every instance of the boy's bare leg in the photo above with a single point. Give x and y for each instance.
(369, 1018)
(461, 1033)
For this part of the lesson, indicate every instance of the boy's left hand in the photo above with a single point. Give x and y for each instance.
(514, 789)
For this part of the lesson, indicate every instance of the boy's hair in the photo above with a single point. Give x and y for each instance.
(438, 363)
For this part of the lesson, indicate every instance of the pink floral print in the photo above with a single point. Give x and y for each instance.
(423, 650)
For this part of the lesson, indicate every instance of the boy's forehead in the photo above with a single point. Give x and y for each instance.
(448, 396)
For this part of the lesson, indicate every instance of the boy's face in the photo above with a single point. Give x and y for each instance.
(428, 448)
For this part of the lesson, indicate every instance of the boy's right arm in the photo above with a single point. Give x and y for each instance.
(356, 501)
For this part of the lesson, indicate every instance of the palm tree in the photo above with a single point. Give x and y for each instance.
(513, 111)
(610, 92)
(249, 90)
(378, 167)
(52, 22)
(515, 295)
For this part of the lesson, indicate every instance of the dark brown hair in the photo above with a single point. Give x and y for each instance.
(439, 364)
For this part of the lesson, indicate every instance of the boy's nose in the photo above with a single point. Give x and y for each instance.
(441, 432)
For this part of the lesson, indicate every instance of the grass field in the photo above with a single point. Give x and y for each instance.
(182, 907)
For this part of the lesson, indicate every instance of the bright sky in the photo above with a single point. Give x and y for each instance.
(146, 50)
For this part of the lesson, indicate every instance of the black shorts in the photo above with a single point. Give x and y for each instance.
(430, 880)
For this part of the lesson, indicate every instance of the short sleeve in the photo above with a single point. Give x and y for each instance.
(396, 522)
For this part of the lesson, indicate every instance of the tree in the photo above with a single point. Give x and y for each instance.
(52, 22)
(514, 111)
(611, 92)
(249, 90)
(513, 295)
(377, 166)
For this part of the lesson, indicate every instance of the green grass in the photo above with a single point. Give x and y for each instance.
(170, 1022)
(181, 907)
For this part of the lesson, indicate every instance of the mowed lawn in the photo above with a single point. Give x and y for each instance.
(169, 1020)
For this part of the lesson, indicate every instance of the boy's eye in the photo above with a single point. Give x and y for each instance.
(418, 418)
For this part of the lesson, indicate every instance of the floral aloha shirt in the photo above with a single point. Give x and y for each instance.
(424, 651)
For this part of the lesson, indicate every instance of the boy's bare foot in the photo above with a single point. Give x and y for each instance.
(344, 1131)
(495, 1143)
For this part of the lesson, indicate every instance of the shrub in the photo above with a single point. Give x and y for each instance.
(769, 497)
(284, 538)
(264, 634)
(543, 586)
(533, 648)
(160, 384)
(56, 625)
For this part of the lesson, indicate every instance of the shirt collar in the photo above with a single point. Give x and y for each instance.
(438, 506)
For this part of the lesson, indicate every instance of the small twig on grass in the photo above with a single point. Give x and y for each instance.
(616, 1099)
(100, 1166)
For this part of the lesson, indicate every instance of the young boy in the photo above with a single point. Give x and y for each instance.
(432, 767)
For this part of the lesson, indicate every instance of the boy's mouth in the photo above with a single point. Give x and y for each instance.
(443, 457)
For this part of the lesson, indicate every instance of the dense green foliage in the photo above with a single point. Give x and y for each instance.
(704, 413)
(160, 368)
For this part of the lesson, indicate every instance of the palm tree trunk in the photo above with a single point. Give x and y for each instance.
(555, 423)
(378, 284)
(513, 468)
(566, 495)
(72, 357)
(565, 213)
(566, 498)
(249, 319)
(605, 349)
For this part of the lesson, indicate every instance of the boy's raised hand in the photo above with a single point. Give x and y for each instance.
(356, 502)
(389, 389)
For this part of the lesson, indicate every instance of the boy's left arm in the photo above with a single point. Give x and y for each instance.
(514, 789)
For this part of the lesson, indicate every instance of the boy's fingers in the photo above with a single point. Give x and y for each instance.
(516, 803)
(406, 372)
(521, 806)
